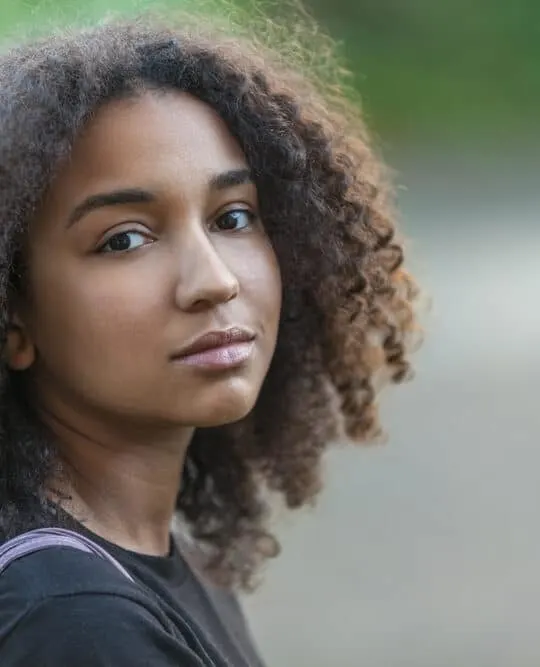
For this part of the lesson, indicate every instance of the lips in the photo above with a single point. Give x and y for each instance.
(215, 340)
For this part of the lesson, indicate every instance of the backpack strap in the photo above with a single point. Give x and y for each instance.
(45, 538)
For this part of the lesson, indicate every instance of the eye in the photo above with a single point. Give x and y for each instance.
(124, 242)
(235, 220)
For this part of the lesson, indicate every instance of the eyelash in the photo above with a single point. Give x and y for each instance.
(252, 218)
(127, 232)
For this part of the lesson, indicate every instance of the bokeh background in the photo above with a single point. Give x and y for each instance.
(426, 552)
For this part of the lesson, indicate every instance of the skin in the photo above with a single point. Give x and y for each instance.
(95, 329)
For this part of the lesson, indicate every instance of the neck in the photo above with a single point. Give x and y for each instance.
(121, 486)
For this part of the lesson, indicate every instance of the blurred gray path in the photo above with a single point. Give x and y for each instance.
(426, 552)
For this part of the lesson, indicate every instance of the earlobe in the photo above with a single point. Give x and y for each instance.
(19, 351)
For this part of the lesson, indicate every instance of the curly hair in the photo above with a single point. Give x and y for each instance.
(348, 305)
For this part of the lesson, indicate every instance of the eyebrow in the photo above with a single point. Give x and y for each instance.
(221, 181)
(115, 198)
(230, 179)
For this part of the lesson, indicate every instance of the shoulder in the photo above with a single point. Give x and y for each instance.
(91, 630)
(61, 607)
(60, 571)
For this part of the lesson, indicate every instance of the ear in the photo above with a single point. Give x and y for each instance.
(19, 352)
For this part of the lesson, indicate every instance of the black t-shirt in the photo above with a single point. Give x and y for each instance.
(60, 607)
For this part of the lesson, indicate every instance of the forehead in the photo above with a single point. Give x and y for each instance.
(154, 139)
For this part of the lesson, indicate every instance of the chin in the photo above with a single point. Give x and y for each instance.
(222, 418)
(223, 414)
(221, 405)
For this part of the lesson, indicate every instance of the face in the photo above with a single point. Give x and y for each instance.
(153, 291)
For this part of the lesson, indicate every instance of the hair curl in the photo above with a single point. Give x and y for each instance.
(347, 305)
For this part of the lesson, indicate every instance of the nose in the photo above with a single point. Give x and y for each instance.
(205, 279)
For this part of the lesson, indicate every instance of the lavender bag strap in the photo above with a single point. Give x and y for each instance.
(45, 538)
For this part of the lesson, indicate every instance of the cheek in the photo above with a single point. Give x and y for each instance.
(83, 315)
(260, 281)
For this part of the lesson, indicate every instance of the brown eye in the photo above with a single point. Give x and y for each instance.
(124, 242)
(235, 220)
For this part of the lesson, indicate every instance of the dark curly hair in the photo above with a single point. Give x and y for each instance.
(347, 312)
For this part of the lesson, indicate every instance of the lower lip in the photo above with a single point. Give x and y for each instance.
(219, 358)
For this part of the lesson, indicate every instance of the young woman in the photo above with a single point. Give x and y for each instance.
(200, 291)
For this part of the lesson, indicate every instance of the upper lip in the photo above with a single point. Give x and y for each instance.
(213, 339)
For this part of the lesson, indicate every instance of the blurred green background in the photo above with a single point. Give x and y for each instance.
(425, 553)
(425, 68)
